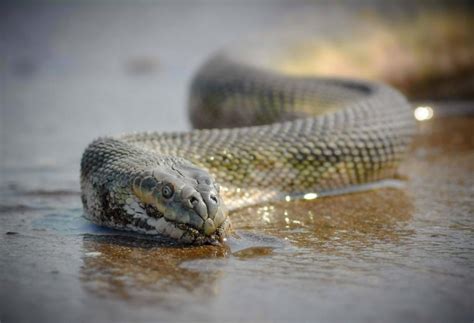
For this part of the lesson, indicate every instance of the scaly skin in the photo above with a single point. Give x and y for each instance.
(295, 135)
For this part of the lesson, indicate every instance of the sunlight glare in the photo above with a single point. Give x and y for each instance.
(423, 113)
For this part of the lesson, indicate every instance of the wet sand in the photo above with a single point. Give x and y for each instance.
(387, 255)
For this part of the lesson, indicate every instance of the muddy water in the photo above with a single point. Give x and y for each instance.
(400, 254)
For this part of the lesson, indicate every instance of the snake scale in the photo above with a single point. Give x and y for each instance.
(263, 135)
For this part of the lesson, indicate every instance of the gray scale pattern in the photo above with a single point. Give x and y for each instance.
(272, 135)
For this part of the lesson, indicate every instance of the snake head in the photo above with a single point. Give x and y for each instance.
(182, 202)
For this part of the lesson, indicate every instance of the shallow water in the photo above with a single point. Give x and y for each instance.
(387, 255)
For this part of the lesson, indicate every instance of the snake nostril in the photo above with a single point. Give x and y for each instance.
(213, 198)
(193, 200)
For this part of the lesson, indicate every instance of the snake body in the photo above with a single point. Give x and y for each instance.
(280, 135)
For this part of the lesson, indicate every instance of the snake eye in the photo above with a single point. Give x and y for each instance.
(167, 191)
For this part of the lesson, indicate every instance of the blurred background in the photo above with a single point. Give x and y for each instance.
(71, 71)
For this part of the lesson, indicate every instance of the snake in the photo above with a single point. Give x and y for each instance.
(260, 135)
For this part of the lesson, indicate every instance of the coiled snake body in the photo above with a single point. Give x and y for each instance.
(283, 135)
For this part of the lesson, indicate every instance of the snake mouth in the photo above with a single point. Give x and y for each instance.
(153, 221)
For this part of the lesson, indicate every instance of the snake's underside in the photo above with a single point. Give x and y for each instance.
(279, 135)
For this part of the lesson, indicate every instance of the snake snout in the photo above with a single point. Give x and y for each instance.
(206, 204)
(212, 203)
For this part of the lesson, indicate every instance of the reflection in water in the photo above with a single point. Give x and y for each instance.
(138, 269)
(448, 134)
(310, 196)
(356, 220)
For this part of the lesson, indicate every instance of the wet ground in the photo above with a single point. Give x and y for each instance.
(402, 254)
